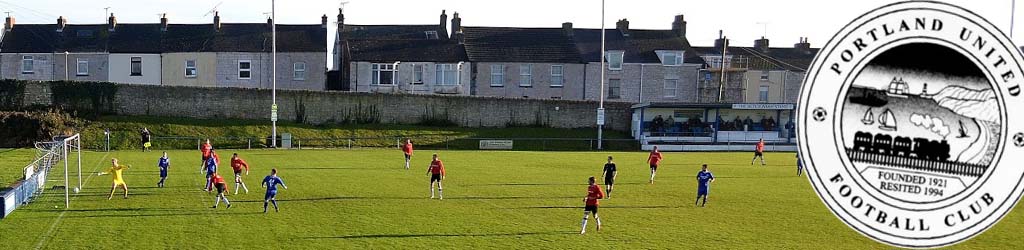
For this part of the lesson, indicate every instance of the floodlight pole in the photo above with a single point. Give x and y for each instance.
(273, 91)
(600, 110)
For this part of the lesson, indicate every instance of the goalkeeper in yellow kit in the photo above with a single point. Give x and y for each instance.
(115, 171)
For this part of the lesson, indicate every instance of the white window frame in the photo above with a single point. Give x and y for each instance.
(671, 87)
(377, 68)
(765, 75)
(498, 75)
(557, 77)
(192, 71)
(615, 59)
(618, 88)
(526, 75)
(299, 73)
(671, 58)
(81, 70)
(247, 70)
(131, 66)
(431, 35)
(417, 74)
(763, 93)
(28, 64)
(445, 72)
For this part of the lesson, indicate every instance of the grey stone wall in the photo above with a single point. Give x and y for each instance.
(732, 93)
(319, 107)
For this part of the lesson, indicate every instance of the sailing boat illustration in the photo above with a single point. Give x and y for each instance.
(887, 121)
(963, 132)
(869, 118)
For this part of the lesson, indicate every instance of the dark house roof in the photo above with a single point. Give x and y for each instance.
(149, 38)
(791, 59)
(390, 43)
(639, 47)
(504, 44)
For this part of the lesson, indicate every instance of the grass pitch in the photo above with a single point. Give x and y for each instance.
(355, 199)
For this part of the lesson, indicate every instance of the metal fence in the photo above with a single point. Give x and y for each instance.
(424, 141)
(34, 182)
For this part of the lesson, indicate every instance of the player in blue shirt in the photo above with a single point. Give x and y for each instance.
(210, 167)
(704, 179)
(164, 164)
(271, 182)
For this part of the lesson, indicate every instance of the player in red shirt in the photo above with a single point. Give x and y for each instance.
(237, 164)
(758, 152)
(218, 182)
(437, 174)
(594, 193)
(407, 149)
(206, 149)
(654, 159)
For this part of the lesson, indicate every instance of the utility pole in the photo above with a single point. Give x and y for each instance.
(106, 12)
(721, 80)
(273, 65)
(600, 109)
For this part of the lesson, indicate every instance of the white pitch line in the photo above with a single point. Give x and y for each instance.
(53, 226)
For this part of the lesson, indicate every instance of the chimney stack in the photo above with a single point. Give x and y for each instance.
(721, 42)
(459, 36)
(61, 22)
(803, 46)
(567, 29)
(679, 26)
(456, 24)
(9, 23)
(163, 22)
(111, 22)
(216, 20)
(761, 44)
(623, 26)
(341, 24)
(323, 21)
(442, 29)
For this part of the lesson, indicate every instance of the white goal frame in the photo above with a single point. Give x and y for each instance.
(70, 143)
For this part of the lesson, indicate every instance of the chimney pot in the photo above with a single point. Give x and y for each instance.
(323, 21)
(679, 26)
(216, 20)
(61, 22)
(9, 23)
(623, 26)
(111, 22)
(442, 28)
(568, 30)
(163, 22)
(761, 44)
(456, 25)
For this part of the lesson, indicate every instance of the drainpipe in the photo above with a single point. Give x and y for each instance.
(640, 99)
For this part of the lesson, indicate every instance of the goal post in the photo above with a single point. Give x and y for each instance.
(68, 144)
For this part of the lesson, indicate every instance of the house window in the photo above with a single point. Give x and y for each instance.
(82, 67)
(671, 87)
(383, 74)
(672, 58)
(763, 95)
(557, 75)
(446, 74)
(27, 64)
(431, 34)
(244, 69)
(614, 89)
(299, 71)
(764, 75)
(136, 66)
(417, 74)
(497, 75)
(190, 69)
(526, 75)
(614, 59)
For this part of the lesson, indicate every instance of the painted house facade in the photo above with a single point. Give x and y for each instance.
(208, 55)
(415, 59)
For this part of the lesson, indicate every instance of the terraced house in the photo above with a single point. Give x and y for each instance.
(209, 55)
(420, 59)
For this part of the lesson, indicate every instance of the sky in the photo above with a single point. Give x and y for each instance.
(783, 22)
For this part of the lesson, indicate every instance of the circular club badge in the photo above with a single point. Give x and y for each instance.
(909, 119)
